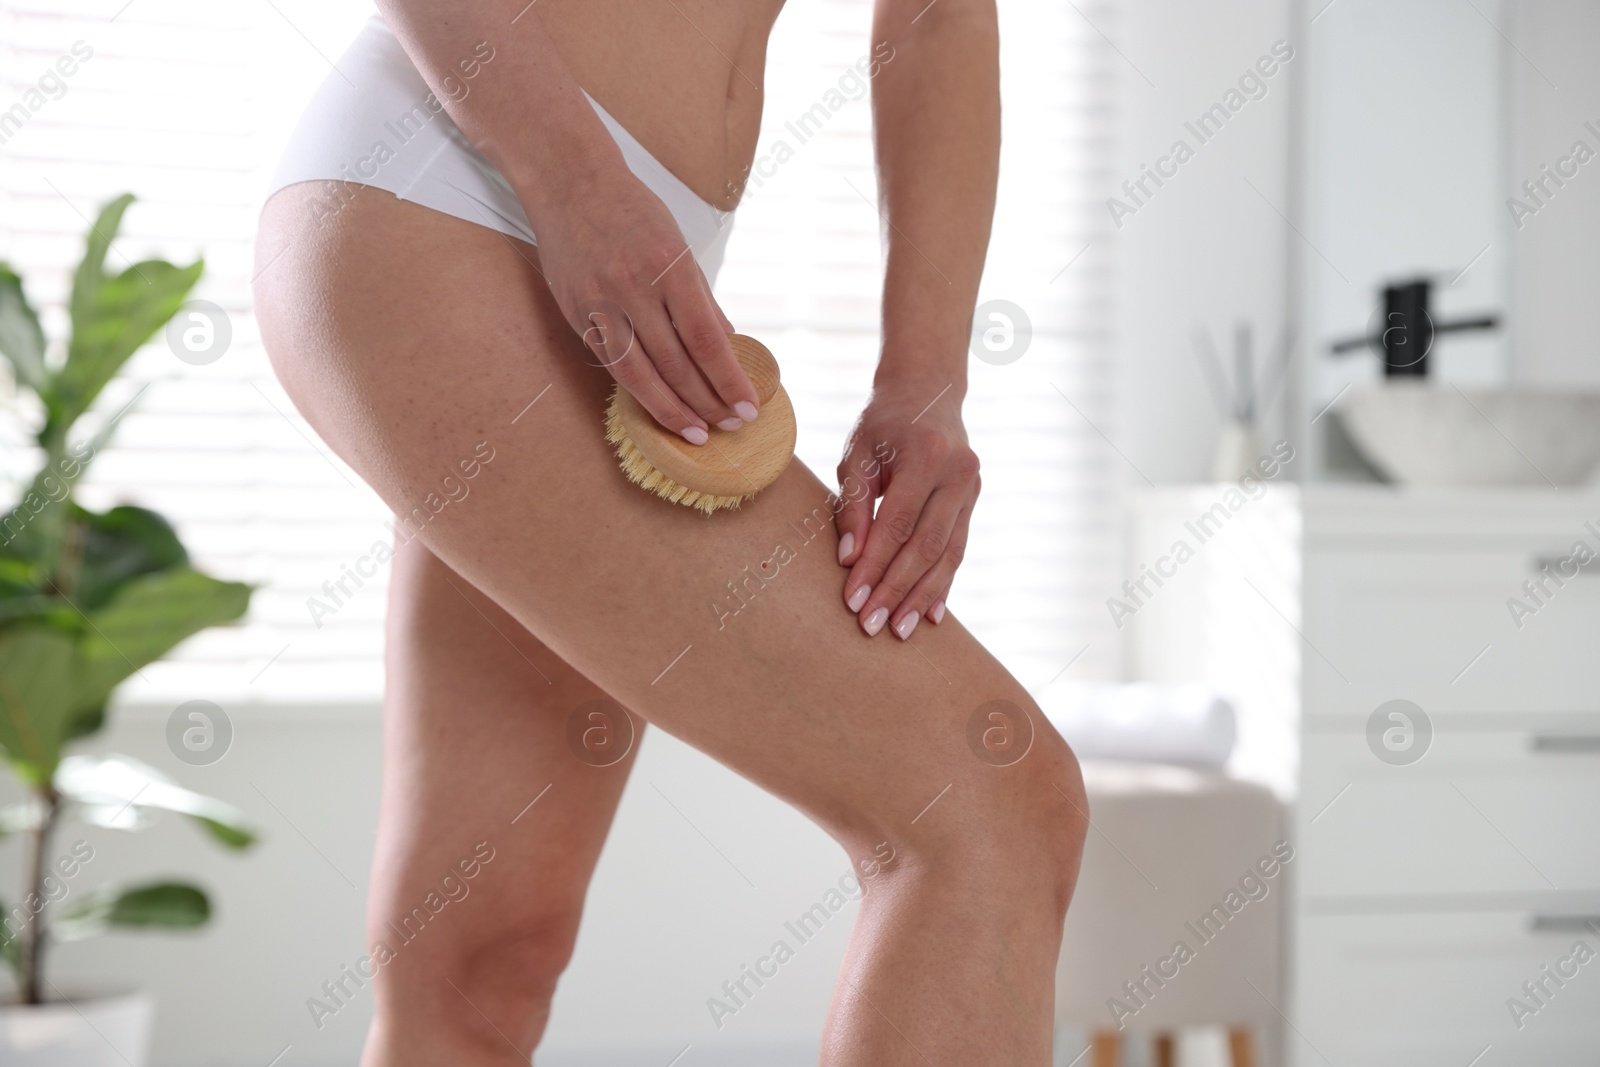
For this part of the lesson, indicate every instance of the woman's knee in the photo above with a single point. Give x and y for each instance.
(464, 995)
(1013, 812)
(505, 961)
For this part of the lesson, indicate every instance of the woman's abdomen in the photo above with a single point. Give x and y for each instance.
(684, 77)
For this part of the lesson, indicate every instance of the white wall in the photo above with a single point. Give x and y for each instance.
(1557, 271)
(1206, 249)
(1403, 175)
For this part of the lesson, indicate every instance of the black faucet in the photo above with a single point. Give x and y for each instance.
(1406, 332)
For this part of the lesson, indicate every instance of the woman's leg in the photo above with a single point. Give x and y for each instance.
(415, 343)
(492, 821)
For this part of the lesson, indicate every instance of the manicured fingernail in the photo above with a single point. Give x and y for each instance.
(936, 613)
(729, 424)
(903, 628)
(858, 598)
(695, 435)
(846, 543)
(746, 410)
(874, 622)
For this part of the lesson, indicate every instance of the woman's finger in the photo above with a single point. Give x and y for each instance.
(905, 494)
(676, 368)
(913, 559)
(926, 599)
(860, 484)
(701, 331)
(936, 610)
(637, 374)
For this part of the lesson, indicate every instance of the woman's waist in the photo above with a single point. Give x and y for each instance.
(687, 93)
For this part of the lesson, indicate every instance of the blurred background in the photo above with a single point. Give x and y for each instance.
(1340, 346)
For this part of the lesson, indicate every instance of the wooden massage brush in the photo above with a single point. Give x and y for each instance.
(732, 466)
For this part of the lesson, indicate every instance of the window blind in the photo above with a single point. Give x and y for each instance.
(187, 105)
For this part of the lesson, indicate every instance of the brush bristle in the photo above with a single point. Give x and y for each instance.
(641, 472)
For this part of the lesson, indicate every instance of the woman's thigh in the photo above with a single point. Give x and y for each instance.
(429, 354)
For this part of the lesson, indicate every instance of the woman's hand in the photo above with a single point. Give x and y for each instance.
(913, 452)
(628, 283)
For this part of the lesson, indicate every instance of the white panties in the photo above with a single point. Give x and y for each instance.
(375, 122)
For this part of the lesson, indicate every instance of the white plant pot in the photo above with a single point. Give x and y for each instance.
(91, 1030)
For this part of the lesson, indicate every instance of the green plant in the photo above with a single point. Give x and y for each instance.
(86, 599)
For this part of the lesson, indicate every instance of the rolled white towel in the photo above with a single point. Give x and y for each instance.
(1143, 721)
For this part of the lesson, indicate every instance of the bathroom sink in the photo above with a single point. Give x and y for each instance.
(1434, 433)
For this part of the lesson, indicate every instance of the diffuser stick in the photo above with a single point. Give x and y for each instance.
(1211, 369)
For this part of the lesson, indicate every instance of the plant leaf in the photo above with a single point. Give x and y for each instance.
(144, 620)
(234, 834)
(34, 526)
(23, 526)
(84, 722)
(121, 544)
(165, 905)
(25, 604)
(110, 325)
(169, 904)
(19, 594)
(85, 450)
(110, 781)
(15, 571)
(21, 338)
(37, 670)
(92, 268)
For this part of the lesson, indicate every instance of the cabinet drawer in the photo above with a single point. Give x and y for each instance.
(1483, 811)
(1435, 627)
(1403, 990)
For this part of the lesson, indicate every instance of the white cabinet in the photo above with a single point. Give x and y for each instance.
(1436, 626)
(1432, 882)
(1488, 812)
(1408, 988)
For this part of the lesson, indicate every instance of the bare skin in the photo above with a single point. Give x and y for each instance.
(413, 341)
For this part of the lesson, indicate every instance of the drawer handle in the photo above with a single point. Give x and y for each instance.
(1571, 744)
(1567, 565)
(1565, 924)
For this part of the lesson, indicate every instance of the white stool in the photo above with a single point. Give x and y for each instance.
(1176, 921)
